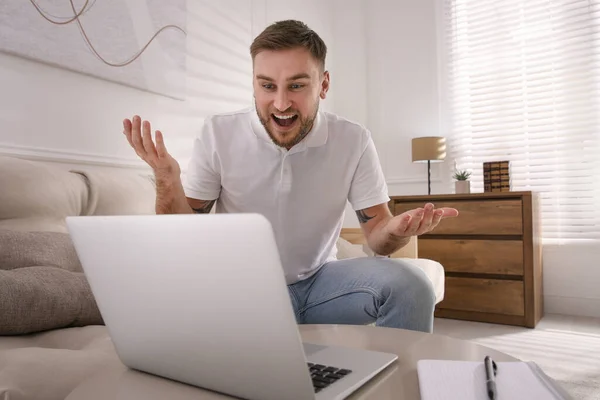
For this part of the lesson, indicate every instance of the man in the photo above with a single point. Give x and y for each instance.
(298, 166)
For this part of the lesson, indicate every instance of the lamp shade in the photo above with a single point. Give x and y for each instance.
(428, 148)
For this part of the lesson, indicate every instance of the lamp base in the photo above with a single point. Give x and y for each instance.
(428, 177)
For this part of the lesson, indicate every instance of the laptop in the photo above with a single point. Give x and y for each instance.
(202, 300)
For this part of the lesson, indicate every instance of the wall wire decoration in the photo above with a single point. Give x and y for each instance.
(138, 43)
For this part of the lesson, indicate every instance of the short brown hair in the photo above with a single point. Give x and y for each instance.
(289, 34)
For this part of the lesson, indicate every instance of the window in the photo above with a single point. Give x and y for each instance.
(521, 83)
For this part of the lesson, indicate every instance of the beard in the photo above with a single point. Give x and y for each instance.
(292, 138)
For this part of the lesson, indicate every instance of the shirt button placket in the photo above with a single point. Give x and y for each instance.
(286, 175)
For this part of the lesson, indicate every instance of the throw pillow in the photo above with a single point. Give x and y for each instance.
(38, 298)
(27, 249)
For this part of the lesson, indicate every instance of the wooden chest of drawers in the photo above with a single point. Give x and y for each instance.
(491, 255)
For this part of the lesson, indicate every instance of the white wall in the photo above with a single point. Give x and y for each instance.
(58, 115)
(403, 87)
(571, 279)
(349, 79)
(401, 99)
(61, 116)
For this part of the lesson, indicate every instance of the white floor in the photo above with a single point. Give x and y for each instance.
(567, 348)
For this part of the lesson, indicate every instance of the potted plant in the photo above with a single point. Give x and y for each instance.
(462, 184)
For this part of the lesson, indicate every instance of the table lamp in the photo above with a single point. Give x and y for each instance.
(430, 149)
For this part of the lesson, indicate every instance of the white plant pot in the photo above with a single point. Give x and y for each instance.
(462, 187)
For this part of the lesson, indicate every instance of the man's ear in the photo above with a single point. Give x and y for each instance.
(325, 85)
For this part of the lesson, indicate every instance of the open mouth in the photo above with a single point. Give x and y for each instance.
(284, 120)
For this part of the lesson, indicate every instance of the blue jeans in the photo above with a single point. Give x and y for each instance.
(359, 291)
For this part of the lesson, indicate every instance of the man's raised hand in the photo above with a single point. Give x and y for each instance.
(418, 221)
(139, 136)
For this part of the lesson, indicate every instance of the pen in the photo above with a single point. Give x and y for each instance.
(490, 377)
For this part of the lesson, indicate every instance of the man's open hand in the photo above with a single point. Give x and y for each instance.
(418, 221)
(139, 136)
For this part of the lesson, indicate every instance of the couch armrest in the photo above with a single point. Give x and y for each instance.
(356, 236)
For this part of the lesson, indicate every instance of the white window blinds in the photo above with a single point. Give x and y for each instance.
(522, 84)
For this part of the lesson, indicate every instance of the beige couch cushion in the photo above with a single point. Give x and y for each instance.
(38, 197)
(49, 365)
(119, 192)
(434, 271)
(346, 250)
(42, 285)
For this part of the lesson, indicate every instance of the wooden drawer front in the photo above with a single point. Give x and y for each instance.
(484, 295)
(484, 217)
(502, 257)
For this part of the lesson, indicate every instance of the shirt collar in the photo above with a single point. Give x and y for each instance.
(315, 138)
(318, 134)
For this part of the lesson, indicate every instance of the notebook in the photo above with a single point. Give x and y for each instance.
(466, 380)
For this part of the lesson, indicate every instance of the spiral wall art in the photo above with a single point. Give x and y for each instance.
(138, 43)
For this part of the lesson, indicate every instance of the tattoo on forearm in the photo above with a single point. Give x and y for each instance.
(205, 209)
(363, 217)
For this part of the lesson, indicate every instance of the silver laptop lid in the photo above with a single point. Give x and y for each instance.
(200, 299)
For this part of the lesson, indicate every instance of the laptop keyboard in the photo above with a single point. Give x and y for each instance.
(323, 375)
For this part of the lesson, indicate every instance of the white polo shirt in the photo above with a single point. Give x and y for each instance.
(302, 192)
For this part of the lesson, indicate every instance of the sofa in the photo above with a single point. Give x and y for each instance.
(52, 335)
